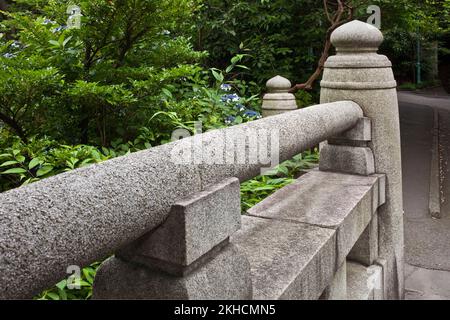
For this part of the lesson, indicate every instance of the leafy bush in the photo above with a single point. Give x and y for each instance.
(255, 190)
(283, 36)
(97, 83)
(23, 163)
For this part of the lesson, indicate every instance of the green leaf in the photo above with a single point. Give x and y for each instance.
(14, 171)
(20, 158)
(264, 188)
(8, 163)
(55, 43)
(88, 277)
(62, 294)
(44, 170)
(53, 296)
(167, 93)
(33, 163)
(283, 170)
(67, 40)
(242, 67)
(236, 59)
(218, 75)
(62, 284)
(105, 151)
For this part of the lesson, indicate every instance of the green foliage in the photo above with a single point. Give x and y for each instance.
(255, 190)
(23, 163)
(72, 288)
(97, 83)
(408, 86)
(286, 36)
(281, 36)
(214, 97)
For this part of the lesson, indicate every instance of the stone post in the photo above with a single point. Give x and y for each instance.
(187, 257)
(359, 74)
(278, 99)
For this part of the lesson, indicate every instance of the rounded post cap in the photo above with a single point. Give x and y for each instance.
(356, 36)
(278, 84)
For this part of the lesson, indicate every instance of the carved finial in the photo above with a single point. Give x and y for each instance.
(278, 99)
(357, 36)
(278, 84)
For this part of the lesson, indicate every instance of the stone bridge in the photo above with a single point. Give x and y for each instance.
(171, 214)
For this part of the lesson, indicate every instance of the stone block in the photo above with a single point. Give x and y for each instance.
(195, 225)
(381, 188)
(337, 290)
(331, 200)
(225, 277)
(347, 159)
(362, 132)
(364, 283)
(385, 276)
(365, 250)
(288, 260)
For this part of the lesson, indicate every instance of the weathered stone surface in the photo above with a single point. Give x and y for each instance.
(195, 225)
(365, 250)
(357, 36)
(361, 133)
(278, 100)
(288, 260)
(80, 216)
(347, 159)
(92, 211)
(364, 283)
(359, 74)
(382, 263)
(340, 201)
(337, 290)
(381, 188)
(317, 123)
(225, 277)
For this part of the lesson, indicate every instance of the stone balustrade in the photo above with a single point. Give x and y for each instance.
(171, 215)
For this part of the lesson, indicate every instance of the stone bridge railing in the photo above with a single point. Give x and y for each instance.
(171, 214)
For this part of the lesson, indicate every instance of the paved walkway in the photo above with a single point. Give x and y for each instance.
(427, 240)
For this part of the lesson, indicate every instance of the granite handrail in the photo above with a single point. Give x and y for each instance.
(84, 215)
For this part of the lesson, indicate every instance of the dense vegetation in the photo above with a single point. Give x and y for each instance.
(138, 69)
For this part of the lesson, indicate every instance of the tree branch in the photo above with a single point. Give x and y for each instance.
(14, 125)
(336, 21)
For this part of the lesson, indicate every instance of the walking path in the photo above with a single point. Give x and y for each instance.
(427, 239)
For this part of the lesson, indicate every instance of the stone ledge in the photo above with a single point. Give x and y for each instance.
(288, 260)
(341, 202)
